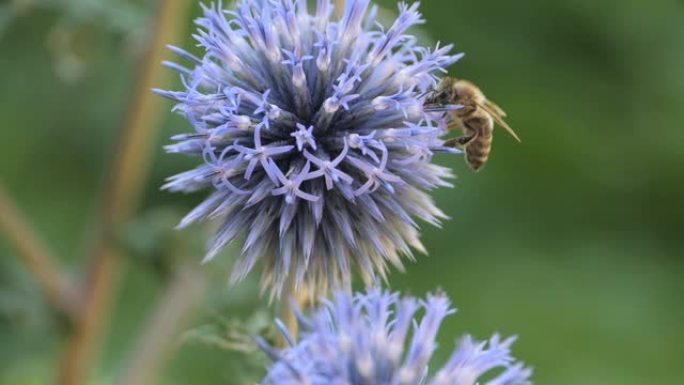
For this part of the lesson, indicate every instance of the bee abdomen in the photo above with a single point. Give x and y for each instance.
(477, 152)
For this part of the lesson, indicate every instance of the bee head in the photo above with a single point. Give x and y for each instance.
(443, 93)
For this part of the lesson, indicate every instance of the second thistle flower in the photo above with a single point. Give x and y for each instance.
(314, 137)
(380, 338)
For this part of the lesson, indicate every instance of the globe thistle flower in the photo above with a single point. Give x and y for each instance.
(315, 140)
(377, 338)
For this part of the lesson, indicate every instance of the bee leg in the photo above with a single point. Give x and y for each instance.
(454, 125)
(461, 141)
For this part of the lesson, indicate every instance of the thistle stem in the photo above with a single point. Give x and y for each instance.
(339, 8)
(287, 310)
(123, 190)
(296, 297)
(37, 257)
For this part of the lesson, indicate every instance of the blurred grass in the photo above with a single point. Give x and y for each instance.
(571, 239)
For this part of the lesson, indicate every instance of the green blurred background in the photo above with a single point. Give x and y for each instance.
(572, 239)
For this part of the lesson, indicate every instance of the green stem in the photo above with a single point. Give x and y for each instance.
(37, 257)
(126, 182)
(168, 318)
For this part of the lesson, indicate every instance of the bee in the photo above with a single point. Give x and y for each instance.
(475, 118)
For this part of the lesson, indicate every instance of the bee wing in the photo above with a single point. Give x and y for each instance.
(495, 107)
(494, 112)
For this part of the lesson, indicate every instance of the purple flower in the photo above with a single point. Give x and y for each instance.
(378, 338)
(316, 145)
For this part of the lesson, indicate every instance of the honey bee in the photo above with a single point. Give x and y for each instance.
(476, 118)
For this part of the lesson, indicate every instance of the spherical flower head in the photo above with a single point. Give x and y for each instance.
(377, 338)
(315, 140)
